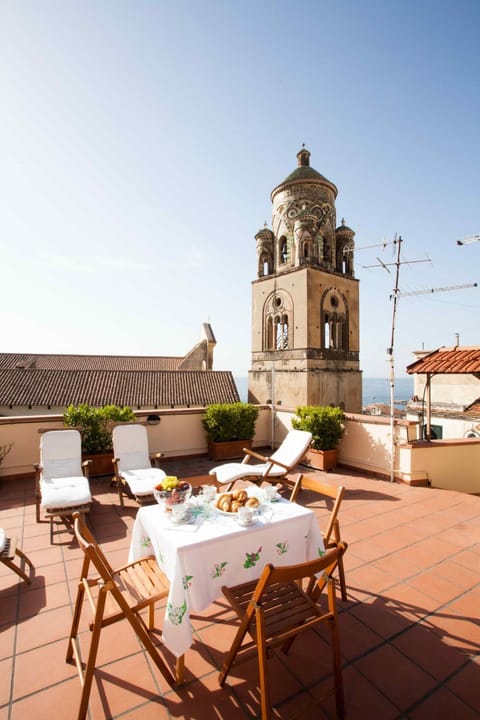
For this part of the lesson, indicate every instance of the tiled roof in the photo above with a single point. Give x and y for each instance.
(448, 360)
(87, 362)
(150, 388)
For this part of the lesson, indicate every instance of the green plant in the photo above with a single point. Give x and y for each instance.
(230, 421)
(4, 450)
(95, 424)
(324, 422)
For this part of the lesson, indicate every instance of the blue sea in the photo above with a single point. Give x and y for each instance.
(375, 390)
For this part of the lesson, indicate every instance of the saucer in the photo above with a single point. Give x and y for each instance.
(182, 520)
(248, 523)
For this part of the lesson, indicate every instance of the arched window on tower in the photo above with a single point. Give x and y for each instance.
(283, 250)
(334, 331)
(278, 322)
(264, 265)
(306, 250)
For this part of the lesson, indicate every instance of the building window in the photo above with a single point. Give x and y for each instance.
(283, 250)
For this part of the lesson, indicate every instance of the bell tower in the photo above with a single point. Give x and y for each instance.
(305, 299)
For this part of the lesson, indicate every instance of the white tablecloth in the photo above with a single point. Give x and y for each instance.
(200, 557)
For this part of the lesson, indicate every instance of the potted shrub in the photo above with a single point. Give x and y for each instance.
(327, 426)
(230, 427)
(95, 425)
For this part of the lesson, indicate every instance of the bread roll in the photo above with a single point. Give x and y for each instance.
(224, 502)
(252, 502)
(240, 495)
(235, 505)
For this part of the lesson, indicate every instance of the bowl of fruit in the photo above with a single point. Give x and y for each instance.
(172, 491)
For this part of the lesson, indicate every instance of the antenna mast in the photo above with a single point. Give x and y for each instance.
(396, 291)
(396, 294)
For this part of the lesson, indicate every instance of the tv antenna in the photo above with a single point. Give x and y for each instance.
(396, 294)
(468, 240)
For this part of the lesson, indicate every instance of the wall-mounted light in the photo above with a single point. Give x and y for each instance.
(153, 419)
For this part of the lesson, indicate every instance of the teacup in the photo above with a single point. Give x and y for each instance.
(178, 511)
(270, 492)
(209, 492)
(245, 515)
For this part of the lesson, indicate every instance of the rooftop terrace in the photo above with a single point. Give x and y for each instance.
(410, 630)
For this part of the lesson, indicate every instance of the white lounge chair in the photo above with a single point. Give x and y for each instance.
(133, 463)
(273, 468)
(62, 485)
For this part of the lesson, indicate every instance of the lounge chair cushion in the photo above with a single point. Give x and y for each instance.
(234, 471)
(142, 482)
(3, 539)
(64, 492)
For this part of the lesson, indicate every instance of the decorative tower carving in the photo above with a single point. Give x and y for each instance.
(305, 300)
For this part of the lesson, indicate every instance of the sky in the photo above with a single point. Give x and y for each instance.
(140, 141)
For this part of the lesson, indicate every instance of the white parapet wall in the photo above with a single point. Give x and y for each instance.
(366, 445)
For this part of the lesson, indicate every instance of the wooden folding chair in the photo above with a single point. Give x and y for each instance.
(331, 535)
(13, 557)
(114, 595)
(276, 608)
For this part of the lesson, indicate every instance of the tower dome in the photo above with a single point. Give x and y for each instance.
(304, 173)
(303, 218)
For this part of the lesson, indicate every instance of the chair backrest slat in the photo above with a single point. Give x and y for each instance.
(323, 567)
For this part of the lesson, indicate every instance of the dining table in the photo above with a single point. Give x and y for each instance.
(209, 549)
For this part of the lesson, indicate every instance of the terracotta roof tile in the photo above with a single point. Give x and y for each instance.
(87, 362)
(448, 360)
(149, 388)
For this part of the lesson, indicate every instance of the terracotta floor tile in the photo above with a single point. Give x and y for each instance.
(370, 578)
(469, 558)
(7, 640)
(9, 606)
(381, 618)
(439, 585)
(40, 668)
(362, 699)
(442, 705)
(356, 637)
(413, 567)
(45, 597)
(123, 685)
(204, 699)
(467, 605)
(5, 680)
(465, 685)
(44, 628)
(60, 701)
(426, 649)
(397, 677)
(457, 631)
